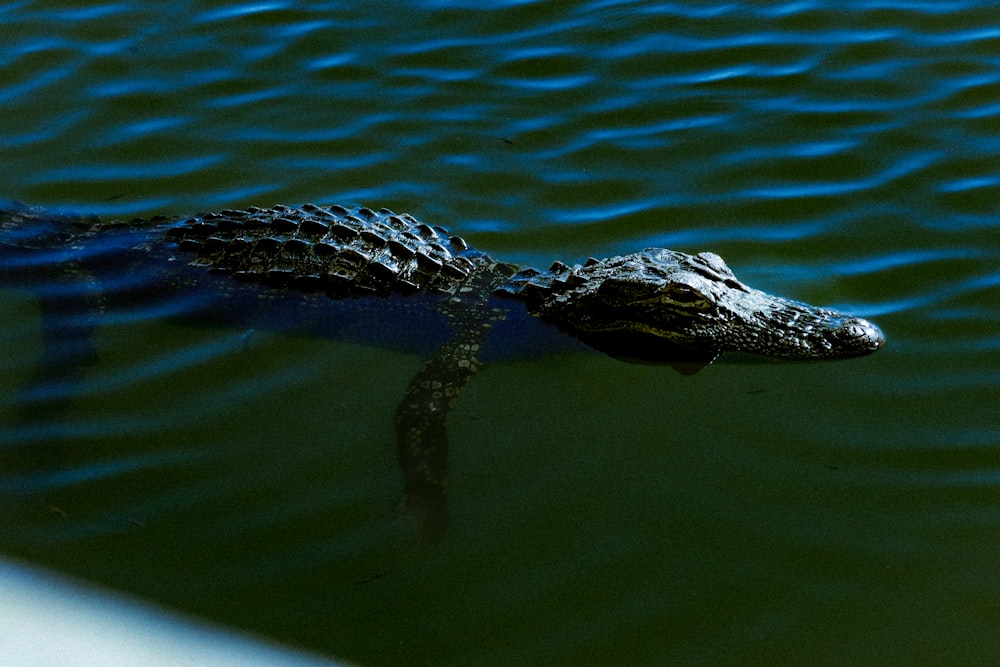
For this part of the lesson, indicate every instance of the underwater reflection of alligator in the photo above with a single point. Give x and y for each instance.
(329, 263)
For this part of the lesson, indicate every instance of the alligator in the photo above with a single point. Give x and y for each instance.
(657, 305)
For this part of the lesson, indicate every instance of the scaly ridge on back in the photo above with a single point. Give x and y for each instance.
(341, 251)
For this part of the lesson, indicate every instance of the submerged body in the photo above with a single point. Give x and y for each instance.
(322, 269)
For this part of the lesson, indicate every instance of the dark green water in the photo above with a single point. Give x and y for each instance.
(841, 153)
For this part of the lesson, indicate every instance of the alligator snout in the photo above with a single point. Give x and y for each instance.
(858, 335)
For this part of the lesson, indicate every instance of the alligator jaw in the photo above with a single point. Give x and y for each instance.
(786, 329)
(662, 305)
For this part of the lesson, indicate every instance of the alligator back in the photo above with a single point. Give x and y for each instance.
(340, 251)
(287, 263)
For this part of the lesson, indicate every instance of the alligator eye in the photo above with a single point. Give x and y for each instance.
(685, 295)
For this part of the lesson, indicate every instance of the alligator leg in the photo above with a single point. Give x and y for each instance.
(421, 419)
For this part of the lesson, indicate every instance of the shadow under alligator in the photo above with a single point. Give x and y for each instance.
(359, 273)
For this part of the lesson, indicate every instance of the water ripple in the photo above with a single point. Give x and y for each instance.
(841, 153)
(50, 481)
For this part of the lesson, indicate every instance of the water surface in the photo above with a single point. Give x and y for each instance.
(839, 153)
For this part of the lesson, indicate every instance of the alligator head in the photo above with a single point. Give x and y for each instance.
(668, 306)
